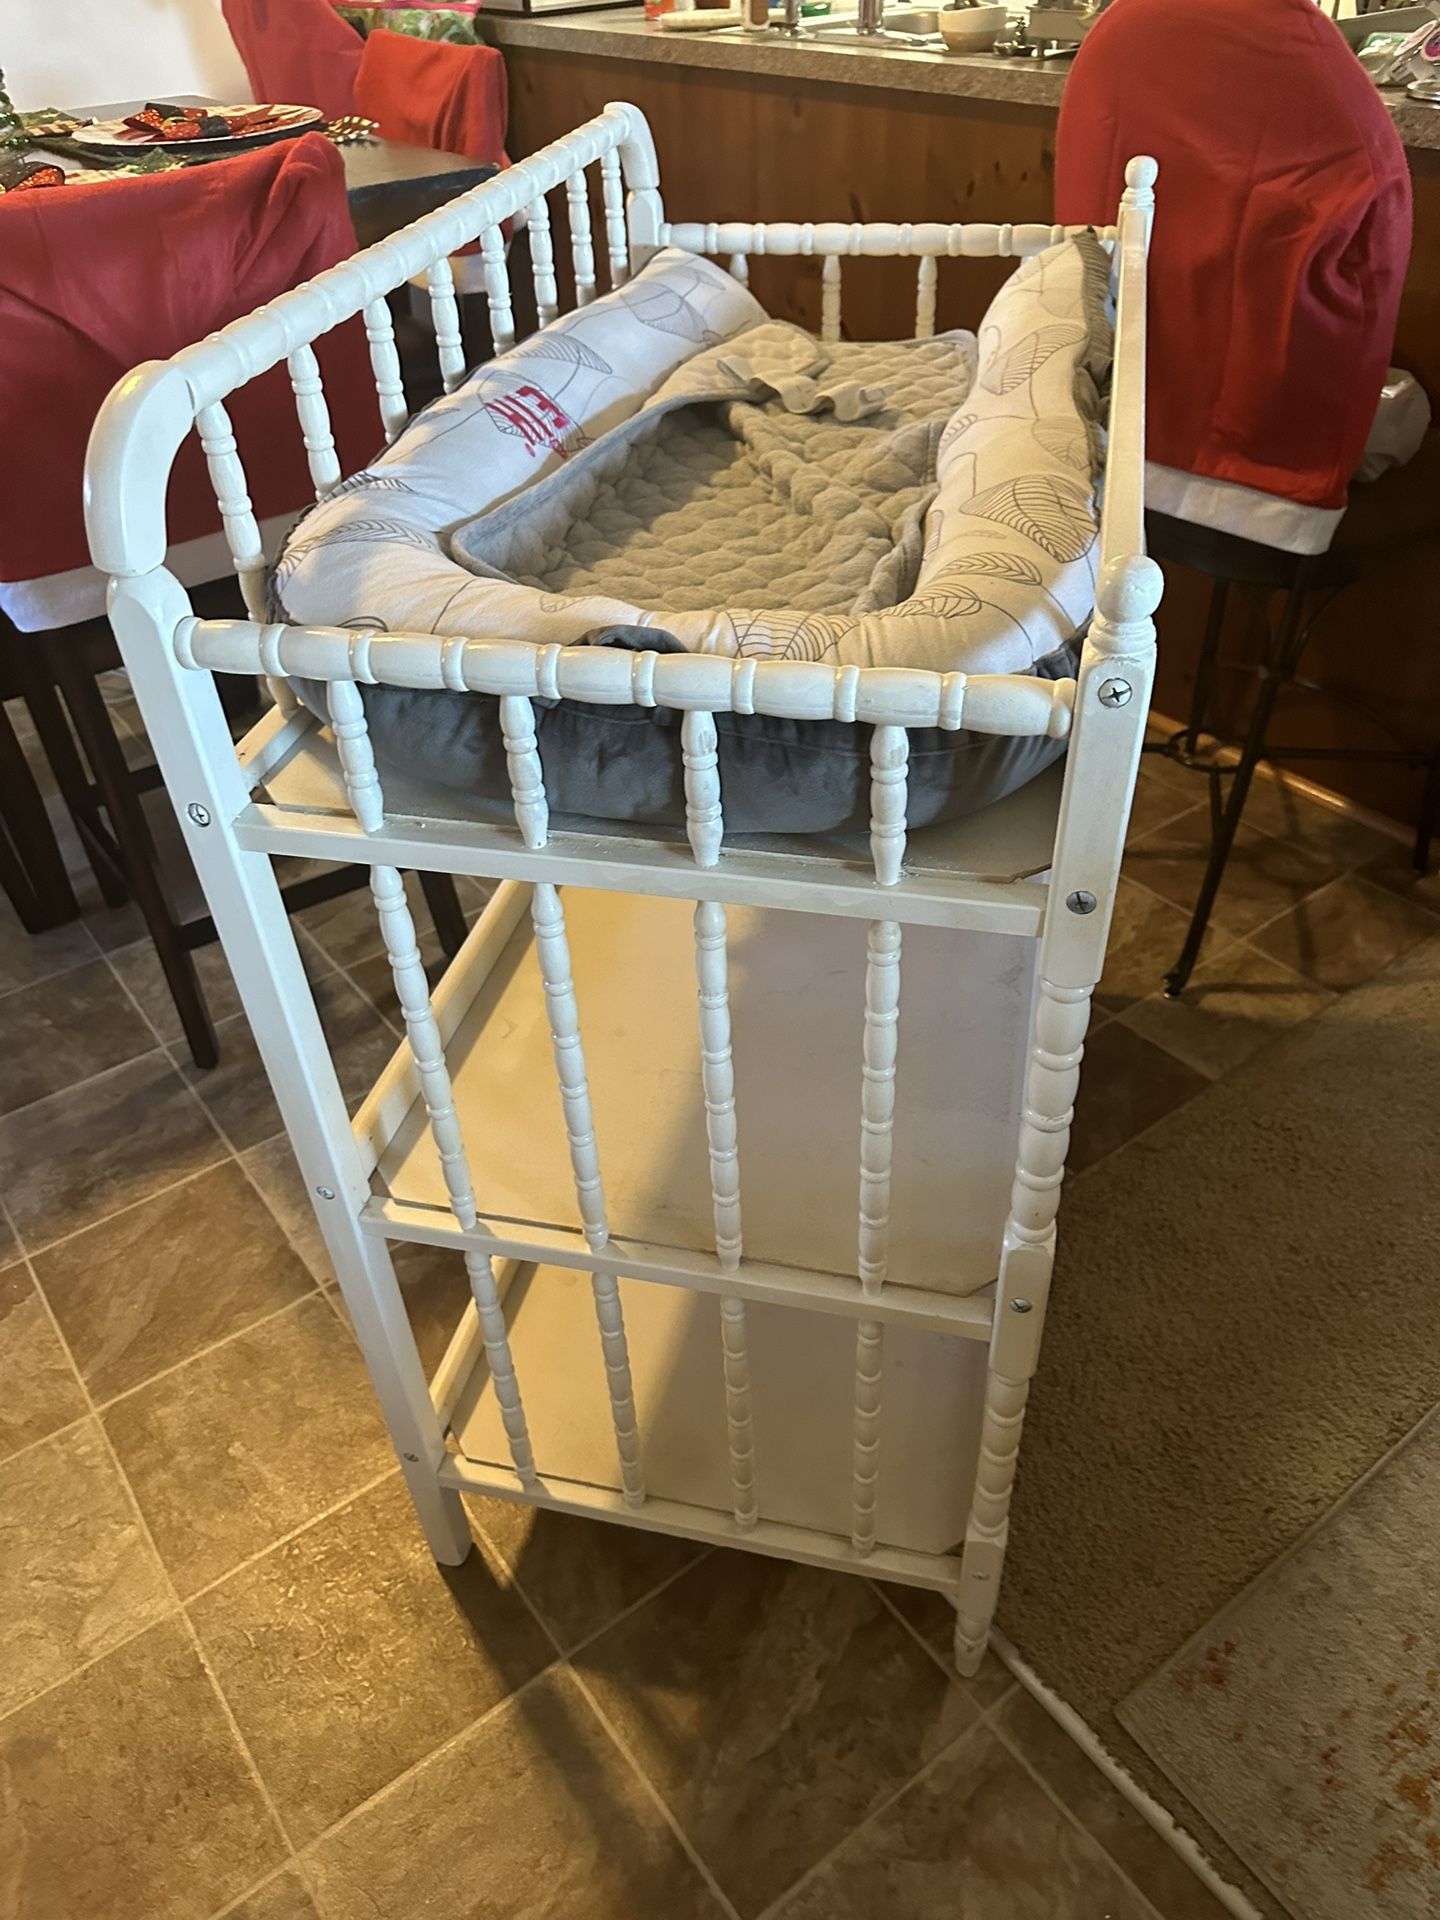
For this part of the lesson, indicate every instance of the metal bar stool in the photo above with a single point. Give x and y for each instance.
(1386, 520)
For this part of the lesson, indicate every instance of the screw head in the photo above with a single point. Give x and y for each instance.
(326, 1193)
(1080, 901)
(1020, 1306)
(1115, 693)
(413, 1458)
(200, 815)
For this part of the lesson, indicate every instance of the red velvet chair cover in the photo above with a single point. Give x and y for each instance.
(433, 93)
(96, 279)
(296, 52)
(1281, 238)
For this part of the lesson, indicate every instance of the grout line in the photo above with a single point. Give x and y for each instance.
(589, 1640)
(292, 1865)
(813, 1872)
(148, 1537)
(64, 1239)
(999, 1734)
(57, 1433)
(435, 1753)
(213, 1346)
(652, 1793)
(284, 1539)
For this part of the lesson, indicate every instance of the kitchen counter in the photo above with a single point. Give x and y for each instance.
(768, 129)
(622, 33)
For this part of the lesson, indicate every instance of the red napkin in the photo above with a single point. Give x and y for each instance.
(95, 279)
(297, 53)
(1282, 230)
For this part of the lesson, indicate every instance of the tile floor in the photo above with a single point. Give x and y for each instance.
(231, 1680)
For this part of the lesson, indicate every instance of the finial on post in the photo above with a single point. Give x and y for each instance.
(1140, 176)
(1130, 589)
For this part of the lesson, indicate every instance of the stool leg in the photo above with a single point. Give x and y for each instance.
(1205, 668)
(445, 911)
(32, 867)
(1429, 816)
(70, 776)
(1273, 676)
(137, 850)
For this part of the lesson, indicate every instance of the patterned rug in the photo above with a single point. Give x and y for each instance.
(1243, 1324)
(1304, 1720)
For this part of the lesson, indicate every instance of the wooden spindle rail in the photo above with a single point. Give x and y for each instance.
(582, 245)
(612, 197)
(497, 289)
(385, 362)
(542, 261)
(427, 1048)
(445, 315)
(314, 416)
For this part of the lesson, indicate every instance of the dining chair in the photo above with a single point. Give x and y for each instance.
(1282, 249)
(296, 52)
(96, 279)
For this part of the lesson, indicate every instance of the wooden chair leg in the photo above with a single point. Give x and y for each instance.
(32, 867)
(76, 788)
(137, 851)
(445, 910)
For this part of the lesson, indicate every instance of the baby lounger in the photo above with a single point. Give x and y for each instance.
(641, 471)
(772, 1270)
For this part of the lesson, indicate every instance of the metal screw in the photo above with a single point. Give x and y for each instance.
(200, 815)
(1080, 901)
(1020, 1306)
(1115, 693)
(326, 1193)
(413, 1458)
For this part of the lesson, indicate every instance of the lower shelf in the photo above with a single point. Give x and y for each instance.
(802, 1367)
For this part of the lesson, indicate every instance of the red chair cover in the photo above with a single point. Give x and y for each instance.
(296, 52)
(1282, 230)
(95, 279)
(433, 93)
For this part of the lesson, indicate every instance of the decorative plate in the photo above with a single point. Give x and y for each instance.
(161, 125)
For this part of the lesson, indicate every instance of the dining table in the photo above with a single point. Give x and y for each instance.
(388, 183)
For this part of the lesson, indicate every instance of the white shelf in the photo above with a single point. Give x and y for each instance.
(932, 1394)
(797, 998)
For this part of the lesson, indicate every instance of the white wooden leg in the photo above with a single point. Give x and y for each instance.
(198, 761)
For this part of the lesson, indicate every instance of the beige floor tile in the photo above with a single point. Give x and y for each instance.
(9, 1246)
(347, 1655)
(28, 957)
(78, 1156)
(1263, 877)
(77, 1575)
(1395, 871)
(249, 1441)
(579, 1575)
(531, 1812)
(1156, 1869)
(774, 1706)
(1234, 1004)
(1146, 935)
(139, 968)
(976, 1839)
(64, 1030)
(238, 1092)
(128, 1293)
(1127, 1083)
(283, 1898)
(39, 1392)
(933, 1618)
(1159, 800)
(1347, 932)
(273, 1169)
(349, 928)
(1325, 832)
(126, 1796)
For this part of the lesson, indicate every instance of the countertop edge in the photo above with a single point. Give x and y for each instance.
(621, 34)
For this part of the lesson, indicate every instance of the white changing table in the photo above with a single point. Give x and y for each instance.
(665, 1332)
